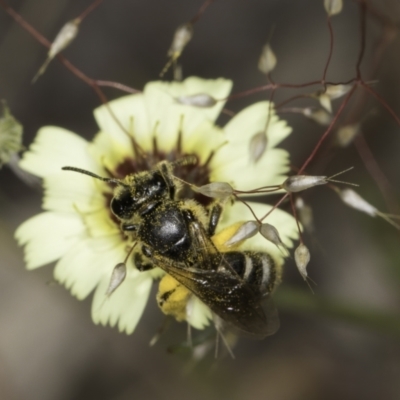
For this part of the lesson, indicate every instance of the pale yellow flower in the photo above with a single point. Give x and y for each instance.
(77, 229)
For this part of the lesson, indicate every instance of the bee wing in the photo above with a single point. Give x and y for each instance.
(228, 297)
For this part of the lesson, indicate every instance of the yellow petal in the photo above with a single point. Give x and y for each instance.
(126, 305)
(48, 236)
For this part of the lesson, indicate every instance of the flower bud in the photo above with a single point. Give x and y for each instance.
(320, 116)
(302, 258)
(218, 190)
(272, 235)
(258, 144)
(246, 231)
(10, 136)
(298, 183)
(182, 37)
(354, 200)
(267, 60)
(333, 7)
(117, 277)
(346, 134)
(305, 214)
(202, 100)
(336, 91)
(63, 39)
(325, 101)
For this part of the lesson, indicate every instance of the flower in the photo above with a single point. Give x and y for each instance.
(77, 229)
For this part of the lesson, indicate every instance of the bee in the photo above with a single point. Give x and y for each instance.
(178, 235)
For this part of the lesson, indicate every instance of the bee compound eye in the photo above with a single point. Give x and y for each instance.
(123, 205)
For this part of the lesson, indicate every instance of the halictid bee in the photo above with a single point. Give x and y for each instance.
(178, 235)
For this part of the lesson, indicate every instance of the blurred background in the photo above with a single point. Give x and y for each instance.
(343, 342)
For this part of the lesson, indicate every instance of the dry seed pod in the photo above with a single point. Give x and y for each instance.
(333, 7)
(117, 277)
(10, 136)
(182, 37)
(218, 190)
(305, 214)
(267, 60)
(202, 100)
(302, 258)
(272, 235)
(246, 231)
(257, 146)
(63, 39)
(320, 116)
(346, 134)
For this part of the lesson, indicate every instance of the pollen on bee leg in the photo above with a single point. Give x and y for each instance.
(172, 298)
(234, 235)
(246, 230)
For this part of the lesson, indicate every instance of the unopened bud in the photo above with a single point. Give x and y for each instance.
(218, 190)
(298, 183)
(305, 214)
(272, 235)
(117, 277)
(10, 136)
(333, 7)
(354, 200)
(258, 144)
(246, 231)
(325, 102)
(63, 39)
(336, 91)
(302, 258)
(202, 100)
(346, 134)
(182, 37)
(267, 60)
(319, 116)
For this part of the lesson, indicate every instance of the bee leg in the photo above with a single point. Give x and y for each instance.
(141, 264)
(168, 179)
(215, 214)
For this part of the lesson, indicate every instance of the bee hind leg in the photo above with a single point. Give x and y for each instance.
(215, 214)
(141, 263)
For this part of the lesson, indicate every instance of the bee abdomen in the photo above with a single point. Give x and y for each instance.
(255, 268)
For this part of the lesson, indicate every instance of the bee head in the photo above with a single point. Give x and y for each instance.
(143, 190)
(134, 193)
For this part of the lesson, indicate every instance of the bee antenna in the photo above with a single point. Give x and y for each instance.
(84, 172)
